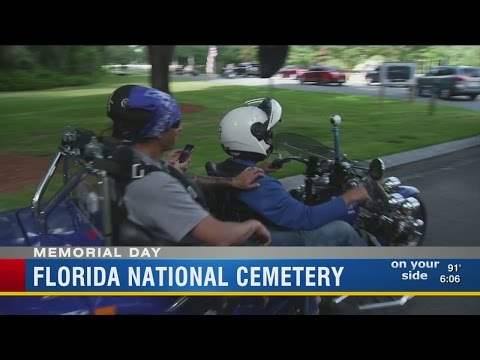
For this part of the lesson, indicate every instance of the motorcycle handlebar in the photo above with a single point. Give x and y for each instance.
(357, 175)
(374, 189)
(279, 162)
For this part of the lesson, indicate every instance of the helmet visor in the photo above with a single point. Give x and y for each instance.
(270, 107)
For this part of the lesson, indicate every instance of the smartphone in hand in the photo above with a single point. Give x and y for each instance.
(187, 150)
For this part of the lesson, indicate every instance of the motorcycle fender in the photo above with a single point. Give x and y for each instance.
(407, 191)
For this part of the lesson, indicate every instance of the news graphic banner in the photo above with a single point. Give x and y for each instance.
(182, 271)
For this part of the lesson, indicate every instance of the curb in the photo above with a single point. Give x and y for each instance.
(403, 158)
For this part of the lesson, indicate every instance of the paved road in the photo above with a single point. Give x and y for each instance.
(354, 87)
(450, 186)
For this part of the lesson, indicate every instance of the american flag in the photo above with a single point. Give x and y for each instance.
(212, 54)
(212, 51)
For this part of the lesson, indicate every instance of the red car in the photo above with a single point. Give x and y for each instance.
(323, 75)
(291, 72)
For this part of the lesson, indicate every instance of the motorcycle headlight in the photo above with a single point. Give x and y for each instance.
(395, 200)
(410, 205)
(418, 224)
(391, 183)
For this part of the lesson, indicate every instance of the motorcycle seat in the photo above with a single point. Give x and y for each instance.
(223, 169)
(223, 202)
(212, 169)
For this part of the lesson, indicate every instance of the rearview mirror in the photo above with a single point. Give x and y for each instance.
(376, 169)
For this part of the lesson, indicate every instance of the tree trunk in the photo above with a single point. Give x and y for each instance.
(160, 58)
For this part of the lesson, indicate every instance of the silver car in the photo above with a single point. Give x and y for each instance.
(447, 81)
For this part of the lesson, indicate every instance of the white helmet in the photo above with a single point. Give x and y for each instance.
(247, 129)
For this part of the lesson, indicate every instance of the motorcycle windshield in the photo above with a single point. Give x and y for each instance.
(303, 146)
(299, 145)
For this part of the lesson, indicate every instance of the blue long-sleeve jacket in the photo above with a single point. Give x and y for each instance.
(273, 202)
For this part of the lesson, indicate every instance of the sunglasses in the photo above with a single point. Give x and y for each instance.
(176, 125)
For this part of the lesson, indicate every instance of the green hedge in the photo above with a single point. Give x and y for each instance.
(21, 80)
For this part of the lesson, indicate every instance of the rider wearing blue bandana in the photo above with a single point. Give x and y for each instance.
(244, 134)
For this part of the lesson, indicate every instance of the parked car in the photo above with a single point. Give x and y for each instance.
(242, 69)
(183, 70)
(291, 72)
(449, 81)
(191, 70)
(398, 74)
(373, 76)
(252, 69)
(175, 69)
(323, 75)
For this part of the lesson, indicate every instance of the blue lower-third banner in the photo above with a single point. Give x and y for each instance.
(224, 276)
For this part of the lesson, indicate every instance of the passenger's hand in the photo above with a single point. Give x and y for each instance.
(268, 167)
(183, 166)
(358, 193)
(262, 235)
(246, 179)
(173, 157)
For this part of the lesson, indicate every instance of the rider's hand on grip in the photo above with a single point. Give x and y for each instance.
(357, 194)
(268, 166)
(277, 163)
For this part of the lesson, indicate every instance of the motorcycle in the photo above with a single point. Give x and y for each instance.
(395, 214)
(71, 207)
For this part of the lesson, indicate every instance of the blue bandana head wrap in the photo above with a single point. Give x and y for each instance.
(165, 112)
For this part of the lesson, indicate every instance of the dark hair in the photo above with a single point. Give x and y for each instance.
(127, 125)
(127, 122)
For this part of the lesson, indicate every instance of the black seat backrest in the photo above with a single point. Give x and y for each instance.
(220, 201)
(227, 168)
(223, 202)
(212, 169)
(223, 169)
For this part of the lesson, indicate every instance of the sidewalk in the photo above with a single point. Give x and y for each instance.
(403, 158)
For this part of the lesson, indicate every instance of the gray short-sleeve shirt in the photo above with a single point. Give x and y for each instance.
(159, 202)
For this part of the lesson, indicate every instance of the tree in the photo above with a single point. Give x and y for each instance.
(16, 57)
(120, 54)
(248, 52)
(160, 58)
(303, 55)
(67, 59)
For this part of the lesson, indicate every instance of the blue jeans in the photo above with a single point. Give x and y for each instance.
(336, 233)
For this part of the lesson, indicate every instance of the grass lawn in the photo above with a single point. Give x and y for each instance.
(33, 122)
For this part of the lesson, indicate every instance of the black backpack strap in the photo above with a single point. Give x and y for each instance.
(124, 231)
(192, 188)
